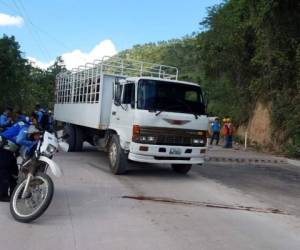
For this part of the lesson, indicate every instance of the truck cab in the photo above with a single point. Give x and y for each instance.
(150, 119)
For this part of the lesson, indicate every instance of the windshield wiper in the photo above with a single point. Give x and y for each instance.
(158, 113)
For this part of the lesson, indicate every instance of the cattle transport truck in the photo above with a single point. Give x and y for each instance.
(136, 111)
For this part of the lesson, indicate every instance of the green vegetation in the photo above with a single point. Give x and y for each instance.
(246, 51)
(21, 85)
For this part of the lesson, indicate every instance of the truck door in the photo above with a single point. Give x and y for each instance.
(123, 109)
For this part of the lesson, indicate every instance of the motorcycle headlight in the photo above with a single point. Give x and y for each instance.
(51, 150)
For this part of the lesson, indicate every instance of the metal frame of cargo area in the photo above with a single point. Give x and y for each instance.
(84, 95)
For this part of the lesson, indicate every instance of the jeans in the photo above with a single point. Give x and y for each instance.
(228, 141)
(216, 135)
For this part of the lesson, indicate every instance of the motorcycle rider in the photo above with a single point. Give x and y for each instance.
(27, 139)
(24, 135)
(11, 133)
(8, 162)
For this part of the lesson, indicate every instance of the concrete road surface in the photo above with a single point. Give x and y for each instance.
(89, 213)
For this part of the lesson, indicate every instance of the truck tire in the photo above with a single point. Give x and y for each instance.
(117, 158)
(78, 139)
(181, 168)
(69, 130)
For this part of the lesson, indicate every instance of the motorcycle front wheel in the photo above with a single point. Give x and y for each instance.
(37, 200)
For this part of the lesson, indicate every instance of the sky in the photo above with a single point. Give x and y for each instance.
(82, 31)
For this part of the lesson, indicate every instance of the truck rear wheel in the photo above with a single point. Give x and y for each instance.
(69, 132)
(117, 157)
(181, 168)
(79, 139)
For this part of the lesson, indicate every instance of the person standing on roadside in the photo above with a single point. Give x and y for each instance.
(224, 131)
(228, 133)
(215, 127)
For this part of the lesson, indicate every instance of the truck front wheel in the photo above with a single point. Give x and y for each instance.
(117, 157)
(181, 168)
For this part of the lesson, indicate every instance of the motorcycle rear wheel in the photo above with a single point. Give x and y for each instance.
(33, 210)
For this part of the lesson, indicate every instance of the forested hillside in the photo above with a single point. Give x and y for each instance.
(246, 52)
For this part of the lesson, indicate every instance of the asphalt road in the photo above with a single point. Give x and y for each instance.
(88, 211)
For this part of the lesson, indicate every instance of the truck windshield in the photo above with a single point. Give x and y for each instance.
(169, 96)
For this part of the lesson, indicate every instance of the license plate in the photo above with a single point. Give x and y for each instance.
(175, 151)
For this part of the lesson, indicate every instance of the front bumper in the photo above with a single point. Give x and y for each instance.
(189, 155)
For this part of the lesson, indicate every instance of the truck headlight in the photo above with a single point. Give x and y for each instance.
(151, 139)
(143, 138)
(198, 141)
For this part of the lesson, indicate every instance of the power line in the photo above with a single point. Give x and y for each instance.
(34, 29)
(8, 6)
(34, 35)
(40, 30)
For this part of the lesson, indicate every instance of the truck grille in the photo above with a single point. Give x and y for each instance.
(171, 136)
(173, 140)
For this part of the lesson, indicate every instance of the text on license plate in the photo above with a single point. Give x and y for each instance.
(175, 151)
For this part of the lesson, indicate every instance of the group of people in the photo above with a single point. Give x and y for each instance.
(18, 134)
(40, 117)
(226, 130)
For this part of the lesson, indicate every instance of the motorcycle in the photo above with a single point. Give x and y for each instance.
(34, 191)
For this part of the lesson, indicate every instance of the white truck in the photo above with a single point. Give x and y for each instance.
(135, 111)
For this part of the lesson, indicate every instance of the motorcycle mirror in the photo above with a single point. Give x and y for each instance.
(63, 146)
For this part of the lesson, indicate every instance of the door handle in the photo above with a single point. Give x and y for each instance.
(114, 113)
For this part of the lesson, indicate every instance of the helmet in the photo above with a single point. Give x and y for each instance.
(32, 130)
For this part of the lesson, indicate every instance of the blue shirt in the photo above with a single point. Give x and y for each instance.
(21, 118)
(22, 138)
(4, 121)
(12, 132)
(26, 145)
(39, 115)
(216, 127)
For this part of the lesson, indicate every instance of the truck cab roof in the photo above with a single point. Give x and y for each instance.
(136, 79)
